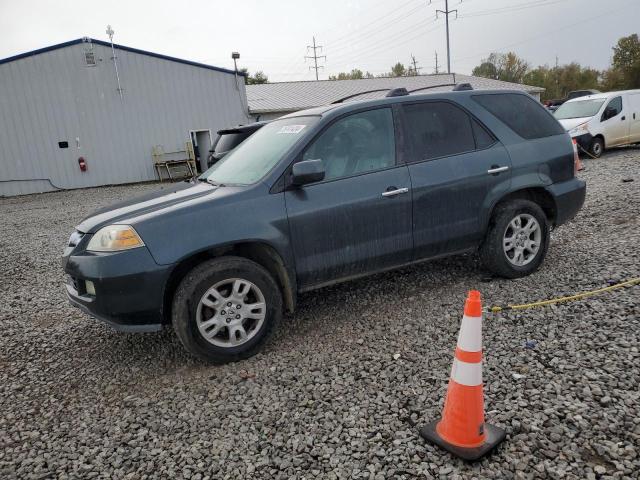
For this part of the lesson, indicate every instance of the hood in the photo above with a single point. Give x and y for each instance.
(570, 123)
(154, 201)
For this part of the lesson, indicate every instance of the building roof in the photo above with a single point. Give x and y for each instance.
(293, 96)
(119, 47)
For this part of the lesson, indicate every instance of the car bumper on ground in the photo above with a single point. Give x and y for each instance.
(584, 141)
(569, 197)
(123, 289)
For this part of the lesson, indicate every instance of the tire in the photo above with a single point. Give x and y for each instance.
(192, 310)
(493, 252)
(597, 147)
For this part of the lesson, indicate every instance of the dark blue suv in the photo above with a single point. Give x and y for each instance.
(326, 195)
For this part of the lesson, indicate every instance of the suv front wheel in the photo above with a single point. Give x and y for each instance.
(225, 309)
(517, 240)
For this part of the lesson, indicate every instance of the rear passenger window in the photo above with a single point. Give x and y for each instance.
(437, 129)
(520, 113)
(483, 138)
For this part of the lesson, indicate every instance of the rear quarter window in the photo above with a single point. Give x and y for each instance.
(520, 113)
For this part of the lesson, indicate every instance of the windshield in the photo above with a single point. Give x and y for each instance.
(255, 157)
(228, 141)
(579, 109)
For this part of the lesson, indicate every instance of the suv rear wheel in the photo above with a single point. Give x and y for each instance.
(517, 240)
(225, 309)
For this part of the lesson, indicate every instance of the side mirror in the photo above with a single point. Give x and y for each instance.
(307, 171)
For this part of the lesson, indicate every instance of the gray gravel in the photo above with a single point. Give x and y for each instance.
(330, 397)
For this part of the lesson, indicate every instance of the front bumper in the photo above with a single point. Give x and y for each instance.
(129, 287)
(584, 141)
(569, 197)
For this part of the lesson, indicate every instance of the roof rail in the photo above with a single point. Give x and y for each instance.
(358, 94)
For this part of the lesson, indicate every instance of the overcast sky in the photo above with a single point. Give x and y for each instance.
(368, 34)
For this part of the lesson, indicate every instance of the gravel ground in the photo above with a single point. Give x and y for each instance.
(341, 389)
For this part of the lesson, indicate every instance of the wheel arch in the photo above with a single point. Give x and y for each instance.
(537, 194)
(260, 252)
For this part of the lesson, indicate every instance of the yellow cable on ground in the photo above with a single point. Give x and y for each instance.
(628, 283)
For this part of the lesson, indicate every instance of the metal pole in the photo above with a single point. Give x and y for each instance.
(446, 7)
(110, 32)
(315, 57)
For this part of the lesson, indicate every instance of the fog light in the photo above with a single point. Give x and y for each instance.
(90, 287)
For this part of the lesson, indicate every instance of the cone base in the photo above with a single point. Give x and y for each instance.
(494, 435)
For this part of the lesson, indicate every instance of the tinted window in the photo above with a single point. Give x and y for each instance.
(613, 108)
(483, 138)
(437, 129)
(521, 113)
(359, 143)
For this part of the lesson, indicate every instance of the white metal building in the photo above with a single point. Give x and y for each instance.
(272, 100)
(66, 101)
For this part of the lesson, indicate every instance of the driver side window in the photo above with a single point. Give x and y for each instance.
(360, 143)
(613, 108)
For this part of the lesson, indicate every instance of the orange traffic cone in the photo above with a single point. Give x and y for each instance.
(577, 163)
(462, 430)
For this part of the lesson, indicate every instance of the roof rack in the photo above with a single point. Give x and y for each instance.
(400, 92)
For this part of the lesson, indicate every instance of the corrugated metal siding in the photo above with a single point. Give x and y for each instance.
(54, 96)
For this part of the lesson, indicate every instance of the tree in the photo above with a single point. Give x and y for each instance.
(507, 67)
(355, 74)
(398, 70)
(626, 64)
(259, 77)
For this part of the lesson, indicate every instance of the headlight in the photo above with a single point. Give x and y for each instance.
(579, 130)
(114, 238)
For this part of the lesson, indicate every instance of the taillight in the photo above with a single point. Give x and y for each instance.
(577, 164)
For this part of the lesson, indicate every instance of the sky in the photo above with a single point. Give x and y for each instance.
(371, 35)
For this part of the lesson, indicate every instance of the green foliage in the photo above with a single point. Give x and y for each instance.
(354, 74)
(398, 70)
(257, 78)
(625, 68)
(507, 67)
(559, 81)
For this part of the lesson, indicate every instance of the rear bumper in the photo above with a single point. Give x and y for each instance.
(129, 288)
(569, 197)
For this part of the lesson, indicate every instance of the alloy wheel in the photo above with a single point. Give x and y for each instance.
(521, 240)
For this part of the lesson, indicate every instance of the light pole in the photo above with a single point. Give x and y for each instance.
(236, 57)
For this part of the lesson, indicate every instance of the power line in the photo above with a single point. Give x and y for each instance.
(315, 56)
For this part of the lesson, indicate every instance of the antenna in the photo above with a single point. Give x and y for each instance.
(110, 33)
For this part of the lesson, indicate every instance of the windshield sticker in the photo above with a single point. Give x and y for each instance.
(291, 129)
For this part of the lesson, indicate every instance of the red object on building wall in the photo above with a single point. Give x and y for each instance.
(83, 164)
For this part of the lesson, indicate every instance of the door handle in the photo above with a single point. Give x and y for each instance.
(494, 170)
(393, 191)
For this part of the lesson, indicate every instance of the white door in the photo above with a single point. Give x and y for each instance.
(615, 122)
(634, 111)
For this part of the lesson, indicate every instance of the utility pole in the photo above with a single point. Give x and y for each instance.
(315, 56)
(446, 13)
(437, 70)
(415, 65)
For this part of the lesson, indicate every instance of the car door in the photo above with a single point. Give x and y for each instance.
(634, 111)
(456, 166)
(615, 123)
(358, 219)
